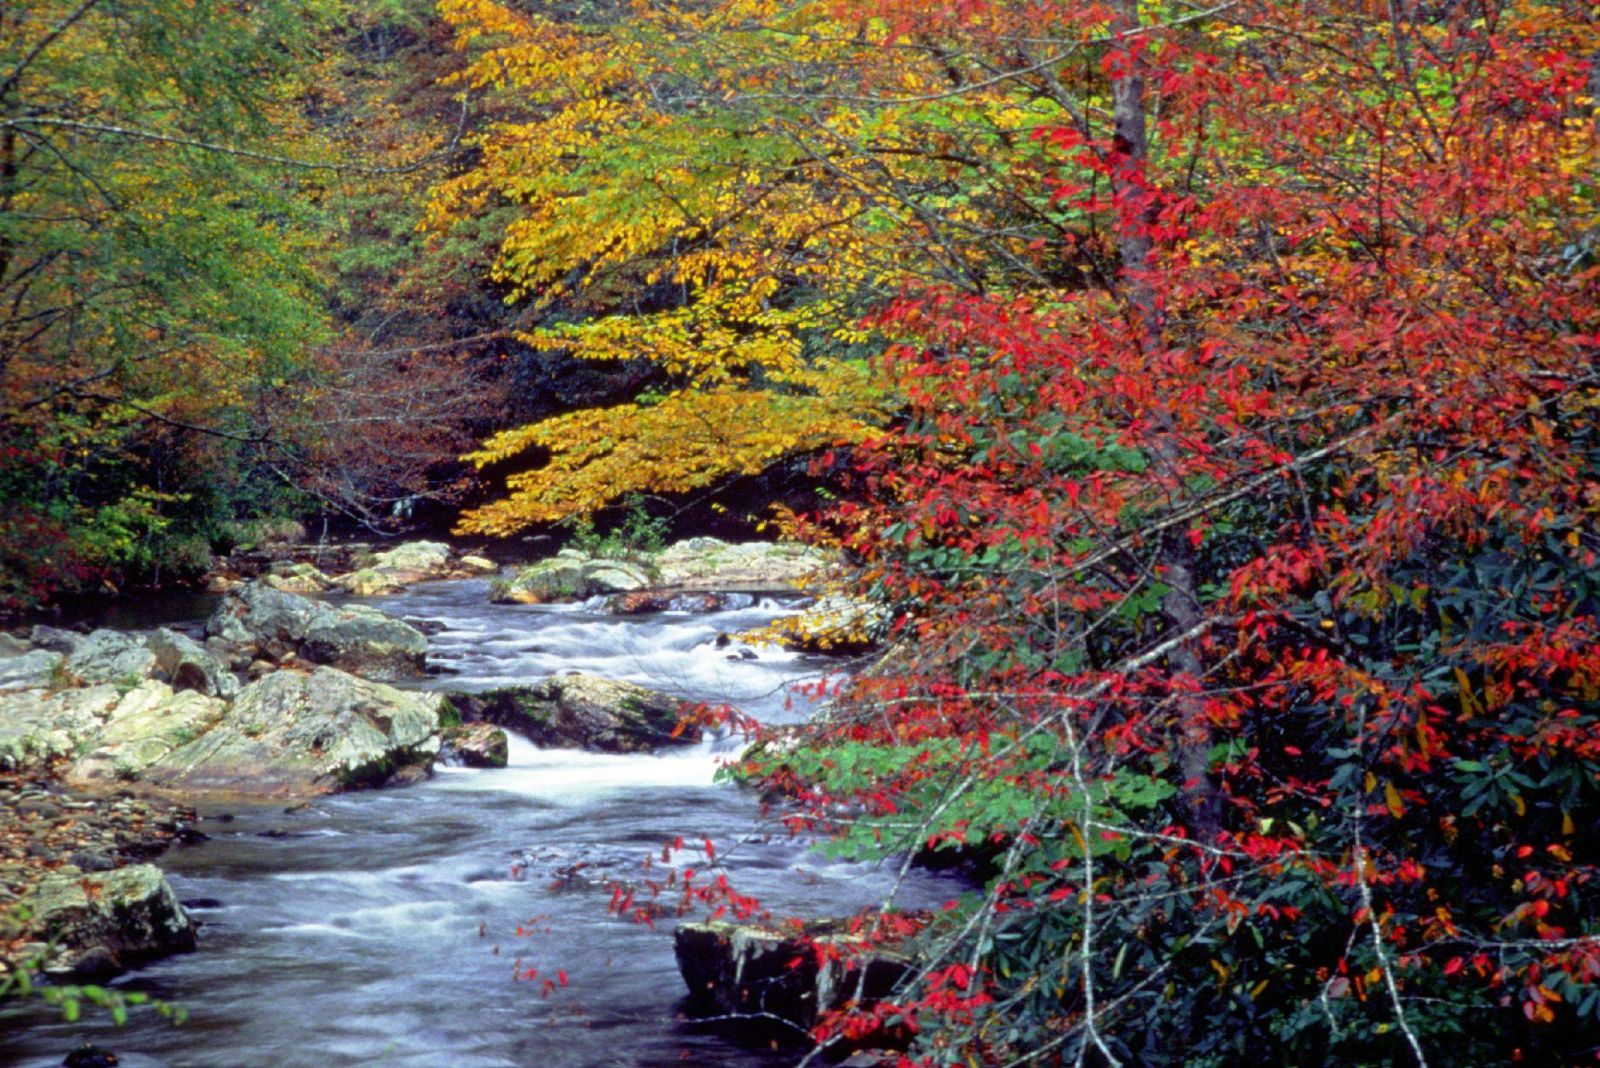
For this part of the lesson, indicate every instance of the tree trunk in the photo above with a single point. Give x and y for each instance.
(1174, 560)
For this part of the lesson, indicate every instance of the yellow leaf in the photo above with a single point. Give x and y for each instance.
(1391, 798)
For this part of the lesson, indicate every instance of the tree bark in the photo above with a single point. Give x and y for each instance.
(1174, 559)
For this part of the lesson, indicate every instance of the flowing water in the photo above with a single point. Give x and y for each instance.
(382, 928)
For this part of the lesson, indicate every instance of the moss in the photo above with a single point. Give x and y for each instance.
(60, 677)
(449, 714)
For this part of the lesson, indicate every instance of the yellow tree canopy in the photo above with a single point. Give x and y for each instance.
(720, 191)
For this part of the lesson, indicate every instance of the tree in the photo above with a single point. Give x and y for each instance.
(713, 195)
(151, 273)
(1248, 612)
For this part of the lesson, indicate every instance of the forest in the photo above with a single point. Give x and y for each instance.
(1198, 400)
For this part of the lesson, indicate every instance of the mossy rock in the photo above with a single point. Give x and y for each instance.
(581, 712)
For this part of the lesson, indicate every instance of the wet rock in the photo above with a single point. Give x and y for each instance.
(477, 565)
(581, 712)
(188, 665)
(32, 670)
(90, 1057)
(296, 735)
(110, 656)
(355, 637)
(644, 602)
(735, 969)
(106, 922)
(473, 745)
(412, 774)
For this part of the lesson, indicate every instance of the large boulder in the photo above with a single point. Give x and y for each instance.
(188, 665)
(296, 735)
(146, 725)
(613, 576)
(39, 727)
(355, 637)
(695, 565)
(581, 712)
(424, 559)
(394, 569)
(34, 669)
(103, 923)
(363, 639)
(273, 620)
(110, 656)
(710, 563)
(558, 579)
(750, 970)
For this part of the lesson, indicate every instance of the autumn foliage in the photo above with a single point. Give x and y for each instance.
(1242, 543)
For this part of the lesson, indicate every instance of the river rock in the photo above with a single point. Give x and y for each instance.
(583, 712)
(356, 637)
(612, 576)
(188, 665)
(645, 602)
(55, 639)
(38, 726)
(296, 735)
(12, 646)
(110, 656)
(106, 922)
(738, 969)
(835, 624)
(35, 669)
(473, 745)
(292, 577)
(477, 565)
(711, 563)
(426, 559)
(364, 639)
(146, 725)
(369, 582)
(557, 579)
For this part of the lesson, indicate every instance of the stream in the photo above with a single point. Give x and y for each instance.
(381, 928)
